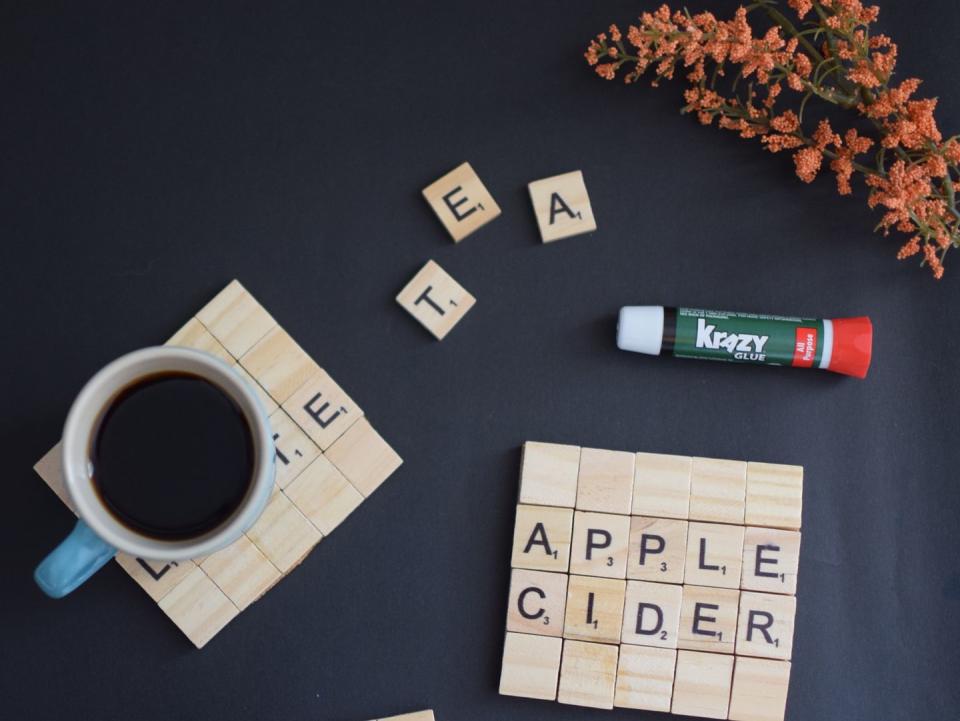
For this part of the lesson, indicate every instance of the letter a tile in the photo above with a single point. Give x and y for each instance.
(461, 202)
(562, 206)
(435, 299)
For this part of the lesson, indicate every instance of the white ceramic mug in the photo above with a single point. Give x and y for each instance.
(98, 534)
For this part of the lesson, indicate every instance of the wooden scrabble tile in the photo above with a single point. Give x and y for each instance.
(198, 607)
(531, 666)
(717, 490)
(269, 405)
(236, 319)
(537, 602)
(541, 538)
(661, 485)
(771, 558)
(461, 202)
(658, 549)
(714, 555)
(283, 533)
(294, 450)
(363, 457)
(323, 495)
(548, 474)
(600, 542)
(651, 614)
(605, 481)
(765, 627)
(241, 571)
(157, 578)
(594, 609)
(435, 299)
(759, 690)
(588, 674)
(415, 716)
(279, 364)
(701, 686)
(322, 409)
(708, 619)
(50, 469)
(645, 678)
(774, 495)
(562, 206)
(194, 335)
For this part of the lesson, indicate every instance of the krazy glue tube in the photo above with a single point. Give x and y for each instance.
(842, 345)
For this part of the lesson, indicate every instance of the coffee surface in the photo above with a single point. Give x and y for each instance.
(173, 456)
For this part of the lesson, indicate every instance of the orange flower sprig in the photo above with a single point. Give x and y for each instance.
(834, 58)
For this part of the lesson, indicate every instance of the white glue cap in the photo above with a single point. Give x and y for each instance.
(640, 329)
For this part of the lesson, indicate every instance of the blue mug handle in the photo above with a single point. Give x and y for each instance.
(79, 556)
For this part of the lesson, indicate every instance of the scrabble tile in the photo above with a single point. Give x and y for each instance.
(717, 490)
(658, 549)
(708, 619)
(461, 202)
(645, 678)
(269, 405)
(531, 666)
(651, 614)
(322, 409)
(241, 571)
(537, 602)
(50, 469)
(588, 674)
(198, 607)
(562, 206)
(157, 578)
(435, 299)
(714, 555)
(600, 542)
(661, 485)
(323, 495)
(363, 457)
(194, 335)
(702, 684)
(774, 495)
(594, 609)
(548, 474)
(765, 627)
(236, 319)
(605, 481)
(771, 558)
(294, 450)
(759, 690)
(279, 364)
(283, 533)
(541, 538)
(415, 716)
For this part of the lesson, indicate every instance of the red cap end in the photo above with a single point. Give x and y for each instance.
(852, 346)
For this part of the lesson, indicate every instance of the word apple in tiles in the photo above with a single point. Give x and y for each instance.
(461, 202)
(435, 299)
(562, 206)
(650, 581)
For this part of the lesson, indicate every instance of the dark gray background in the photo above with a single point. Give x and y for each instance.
(154, 151)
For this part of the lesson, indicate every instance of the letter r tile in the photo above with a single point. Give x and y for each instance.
(461, 202)
(435, 299)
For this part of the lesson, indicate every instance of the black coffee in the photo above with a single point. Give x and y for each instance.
(173, 456)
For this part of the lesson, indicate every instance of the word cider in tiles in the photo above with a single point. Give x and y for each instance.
(651, 581)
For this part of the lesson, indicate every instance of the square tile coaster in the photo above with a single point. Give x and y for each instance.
(315, 492)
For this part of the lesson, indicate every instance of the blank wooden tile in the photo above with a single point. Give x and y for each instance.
(548, 474)
(600, 542)
(651, 614)
(771, 558)
(241, 571)
(435, 299)
(236, 319)
(363, 457)
(658, 549)
(537, 602)
(415, 716)
(157, 578)
(714, 555)
(774, 495)
(531, 666)
(50, 469)
(702, 684)
(605, 481)
(198, 607)
(661, 485)
(323, 495)
(717, 490)
(322, 409)
(765, 626)
(278, 364)
(194, 335)
(294, 450)
(759, 690)
(269, 405)
(645, 678)
(461, 202)
(283, 533)
(588, 674)
(594, 609)
(562, 206)
(541, 538)
(708, 619)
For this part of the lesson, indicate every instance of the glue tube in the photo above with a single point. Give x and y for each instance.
(842, 345)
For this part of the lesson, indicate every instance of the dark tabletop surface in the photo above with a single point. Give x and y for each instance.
(154, 151)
